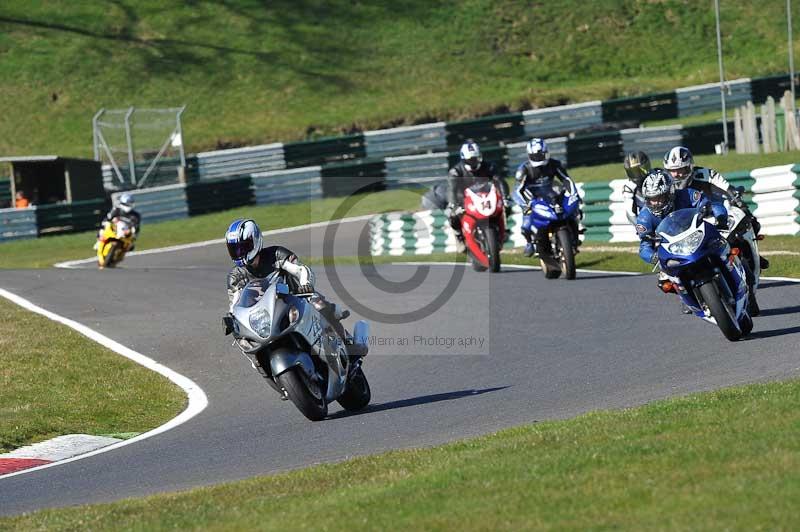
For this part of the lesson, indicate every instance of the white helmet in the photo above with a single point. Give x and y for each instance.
(658, 189)
(680, 163)
(471, 155)
(538, 152)
(126, 202)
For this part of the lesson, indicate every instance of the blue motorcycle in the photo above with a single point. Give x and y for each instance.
(705, 271)
(554, 210)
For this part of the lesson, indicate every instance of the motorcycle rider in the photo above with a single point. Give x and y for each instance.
(680, 163)
(471, 169)
(637, 166)
(534, 179)
(661, 198)
(252, 261)
(123, 210)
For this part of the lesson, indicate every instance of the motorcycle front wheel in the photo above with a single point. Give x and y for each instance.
(492, 248)
(481, 240)
(108, 260)
(720, 310)
(306, 395)
(357, 394)
(567, 253)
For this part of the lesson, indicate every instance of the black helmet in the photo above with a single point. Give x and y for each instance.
(637, 165)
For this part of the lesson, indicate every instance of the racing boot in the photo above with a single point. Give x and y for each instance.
(763, 262)
(529, 249)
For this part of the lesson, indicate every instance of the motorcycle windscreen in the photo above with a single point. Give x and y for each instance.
(253, 292)
(677, 222)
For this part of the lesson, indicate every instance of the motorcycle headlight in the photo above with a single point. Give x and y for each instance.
(294, 315)
(261, 322)
(688, 245)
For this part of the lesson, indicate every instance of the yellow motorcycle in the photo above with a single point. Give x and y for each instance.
(116, 238)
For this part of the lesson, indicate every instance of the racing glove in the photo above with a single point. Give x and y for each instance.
(722, 222)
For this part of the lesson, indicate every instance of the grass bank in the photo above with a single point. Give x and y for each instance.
(50, 385)
(254, 72)
(722, 460)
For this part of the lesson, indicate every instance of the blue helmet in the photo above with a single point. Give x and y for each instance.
(537, 152)
(243, 239)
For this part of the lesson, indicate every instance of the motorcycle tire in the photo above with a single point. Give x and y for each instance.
(492, 248)
(567, 253)
(108, 260)
(357, 395)
(476, 265)
(746, 324)
(720, 311)
(549, 273)
(311, 405)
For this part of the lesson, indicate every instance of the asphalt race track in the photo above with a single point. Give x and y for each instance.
(551, 349)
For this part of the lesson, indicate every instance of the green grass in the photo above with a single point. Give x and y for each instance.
(722, 460)
(50, 385)
(253, 72)
(44, 252)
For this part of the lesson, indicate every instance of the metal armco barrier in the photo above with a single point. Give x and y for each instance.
(70, 217)
(641, 108)
(416, 170)
(240, 161)
(705, 98)
(412, 139)
(654, 141)
(487, 130)
(562, 119)
(160, 203)
(322, 151)
(218, 195)
(595, 148)
(359, 176)
(18, 223)
(287, 186)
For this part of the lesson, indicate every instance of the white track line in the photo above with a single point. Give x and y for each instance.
(533, 268)
(179, 247)
(510, 266)
(197, 397)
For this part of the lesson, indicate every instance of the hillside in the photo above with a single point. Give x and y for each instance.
(252, 73)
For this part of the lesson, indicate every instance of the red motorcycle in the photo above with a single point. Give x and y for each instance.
(484, 225)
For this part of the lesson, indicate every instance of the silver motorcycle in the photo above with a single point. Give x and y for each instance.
(297, 350)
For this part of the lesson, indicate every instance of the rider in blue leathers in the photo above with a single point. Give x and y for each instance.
(534, 178)
(661, 198)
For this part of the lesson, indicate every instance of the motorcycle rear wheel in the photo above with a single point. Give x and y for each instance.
(720, 310)
(357, 394)
(296, 384)
(567, 253)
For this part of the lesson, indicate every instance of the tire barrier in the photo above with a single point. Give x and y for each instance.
(773, 194)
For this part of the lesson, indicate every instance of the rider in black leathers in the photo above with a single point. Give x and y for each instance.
(471, 169)
(244, 242)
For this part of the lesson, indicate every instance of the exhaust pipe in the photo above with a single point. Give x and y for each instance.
(361, 333)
